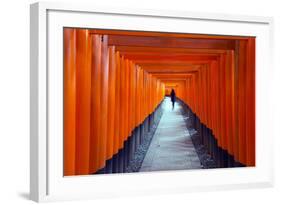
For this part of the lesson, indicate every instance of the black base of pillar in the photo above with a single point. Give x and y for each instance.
(205, 136)
(120, 161)
(101, 171)
(115, 163)
(109, 166)
(238, 164)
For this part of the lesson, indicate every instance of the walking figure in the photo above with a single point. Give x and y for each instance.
(173, 97)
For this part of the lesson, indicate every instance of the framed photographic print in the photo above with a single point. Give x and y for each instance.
(127, 102)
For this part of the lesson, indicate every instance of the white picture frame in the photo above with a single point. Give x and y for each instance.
(46, 177)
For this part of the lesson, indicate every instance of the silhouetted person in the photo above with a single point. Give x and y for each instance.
(173, 97)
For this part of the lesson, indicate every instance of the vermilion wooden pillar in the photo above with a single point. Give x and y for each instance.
(236, 100)
(137, 96)
(208, 97)
(229, 73)
(117, 124)
(213, 96)
(111, 103)
(133, 83)
(69, 103)
(104, 99)
(83, 99)
(95, 139)
(242, 101)
(141, 95)
(223, 111)
(129, 98)
(122, 102)
(250, 103)
(126, 98)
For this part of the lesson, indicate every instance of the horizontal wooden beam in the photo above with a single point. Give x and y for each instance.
(164, 34)
(187, 74)
(170, 42)
(170, 73)
(172, 70)
(171, 62)
(170, 65)
(171, 57)
(142, 49)
(173, 80)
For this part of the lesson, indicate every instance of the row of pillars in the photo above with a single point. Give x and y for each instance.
(106, 98)
(221, 94)
(205, 137)
(120, 162)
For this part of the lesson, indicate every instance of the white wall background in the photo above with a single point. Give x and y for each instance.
(14, 101)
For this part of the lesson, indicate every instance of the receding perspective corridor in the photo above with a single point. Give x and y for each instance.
(143, 101)
(171, 147)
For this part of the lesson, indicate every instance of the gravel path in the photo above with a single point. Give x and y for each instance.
(136, 162)
(206, 160)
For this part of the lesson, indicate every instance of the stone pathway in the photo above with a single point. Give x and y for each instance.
(171, 147)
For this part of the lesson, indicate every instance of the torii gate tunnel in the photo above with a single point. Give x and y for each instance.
(115, 82)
